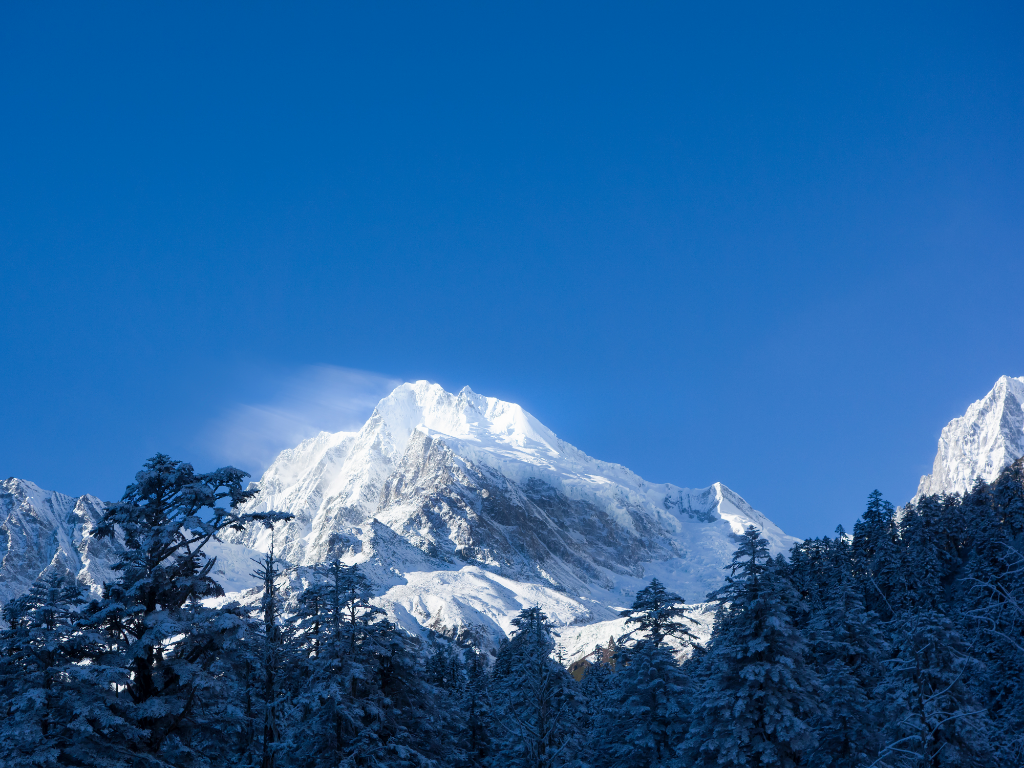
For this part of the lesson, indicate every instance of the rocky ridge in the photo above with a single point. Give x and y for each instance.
(981, 443)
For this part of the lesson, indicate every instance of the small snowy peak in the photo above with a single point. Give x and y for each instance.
(981, 443)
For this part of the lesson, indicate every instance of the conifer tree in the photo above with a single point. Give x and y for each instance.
(534, 708)
(759, 693)
(932, 719)
(159, 642)
(658, 614)
(475, 734)
(643, 717)
(37, 652)
(847, 650)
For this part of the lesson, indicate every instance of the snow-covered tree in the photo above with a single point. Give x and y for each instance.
(758, 694)
(847, 648)
(36, 651)
(643, 712)
(534, 707)
(362, 700)
(643, 719)
(159, 642)
(930, 715)
(657, 614)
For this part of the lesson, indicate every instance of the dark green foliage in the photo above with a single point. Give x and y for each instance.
(899, 647)
(759, 693)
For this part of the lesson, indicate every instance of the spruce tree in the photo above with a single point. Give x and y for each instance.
(643, 714)
(38, 652)
(159, 641)
(534, 709)
(847, 649)
(657, 615)
(931, 717)
(474, 738)
(759, 694)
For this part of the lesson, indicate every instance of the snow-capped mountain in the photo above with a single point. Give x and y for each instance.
(43, 531)
(464, 509)
(981, 443)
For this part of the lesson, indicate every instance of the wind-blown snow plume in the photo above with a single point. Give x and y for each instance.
(314, 398)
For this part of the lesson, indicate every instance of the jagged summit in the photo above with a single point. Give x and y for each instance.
(981, 443)
(461, 508)
(457, 503)
(44, 531)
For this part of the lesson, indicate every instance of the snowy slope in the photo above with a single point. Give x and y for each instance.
(981, 443)
(464, 509)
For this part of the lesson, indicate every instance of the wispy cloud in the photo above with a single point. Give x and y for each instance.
(315, 399)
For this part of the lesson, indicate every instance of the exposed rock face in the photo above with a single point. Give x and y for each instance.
(981, 443)
(44, 531)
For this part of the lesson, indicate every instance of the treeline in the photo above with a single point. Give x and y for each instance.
(898, 646)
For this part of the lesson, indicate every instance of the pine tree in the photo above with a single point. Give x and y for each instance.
(265, 665)
(759, 694)
(932, 719)
(643, 718)
(474, 739)
(875, 538)
(159, 642)
(363, 700)
(36, 654)
(534, 708)
(658, 614)
(847, 649)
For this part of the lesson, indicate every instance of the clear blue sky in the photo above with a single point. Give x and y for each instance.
(778, 246)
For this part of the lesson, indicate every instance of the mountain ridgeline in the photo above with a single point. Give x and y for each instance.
(900, 645)
(422, 587)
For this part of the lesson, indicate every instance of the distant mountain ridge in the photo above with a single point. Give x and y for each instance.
(45, 531)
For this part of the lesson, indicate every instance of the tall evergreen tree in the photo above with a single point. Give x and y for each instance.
(658, 614)
(157, 635)
(38, 684)
(534, 707)
(847, 649)
(759, 693)
(643, 715)
(474, 739)
(932, 719)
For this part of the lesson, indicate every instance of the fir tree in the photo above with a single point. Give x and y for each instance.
(847, 650)
(658, 614)
(159, 641)
(759, 694)
(36, 652)
(474, 738)
(643, 718)
(534, 708)
(932, 719)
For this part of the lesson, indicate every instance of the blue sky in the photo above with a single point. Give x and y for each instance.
(777, 246)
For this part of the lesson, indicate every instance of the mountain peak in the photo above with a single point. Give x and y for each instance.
(981, 443)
